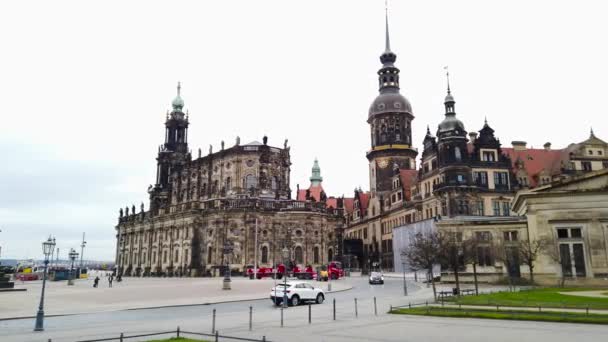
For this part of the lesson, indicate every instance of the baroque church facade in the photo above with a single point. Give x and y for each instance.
(230, 207)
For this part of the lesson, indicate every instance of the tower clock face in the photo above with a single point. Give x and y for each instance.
(382, 163)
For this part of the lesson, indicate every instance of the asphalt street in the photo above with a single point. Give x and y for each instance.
(130, 320)
(233, 319)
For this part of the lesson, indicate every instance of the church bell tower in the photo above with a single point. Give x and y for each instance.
(390, 117)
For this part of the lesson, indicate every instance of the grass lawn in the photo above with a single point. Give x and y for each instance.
(178, 339)
(546, 297)
(563, 317)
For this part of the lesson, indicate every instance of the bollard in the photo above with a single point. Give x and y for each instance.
(178, 331)
(409, 305)
(250, 317)
(496, 307)
(587, 309)
(391, 309)
(539, 308)
(264, 338)
(334, 309)
(281, 317)
(213, 322)
(356, 311)
(375, 307)
(309, 314)
(217, 336)
(121, 336)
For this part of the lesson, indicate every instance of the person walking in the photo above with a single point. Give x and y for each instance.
(110, 279)
(96, 282)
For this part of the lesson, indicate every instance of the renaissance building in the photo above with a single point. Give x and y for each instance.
(229, 207)
(470, 186)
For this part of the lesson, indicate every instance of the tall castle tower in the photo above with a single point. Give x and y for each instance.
(390, 117)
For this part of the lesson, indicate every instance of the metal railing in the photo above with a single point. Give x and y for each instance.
(177, 333)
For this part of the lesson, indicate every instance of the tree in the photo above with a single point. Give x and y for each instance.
(470, 253)
(529, 251)
(451, 254)
(424, 251)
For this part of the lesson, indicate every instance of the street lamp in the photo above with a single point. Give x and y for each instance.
(84, 243)
(47, 247)
(73, 255)
(227, 250)
(403, 262)
(285, 257)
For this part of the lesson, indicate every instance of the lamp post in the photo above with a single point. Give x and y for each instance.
(285, 257)
(403, 263)
(84, 243)
(227, 250)
(73, 255)
(47, 247)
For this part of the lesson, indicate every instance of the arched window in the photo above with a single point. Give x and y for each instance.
(250, 182)
(457, 154)
(176, 255)
(316, 255)
(228, 185)
(209, 254)
(299, 255)
(264, 254)
(330, 255)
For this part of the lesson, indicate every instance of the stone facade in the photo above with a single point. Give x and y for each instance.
(466, 183)
(237, 197)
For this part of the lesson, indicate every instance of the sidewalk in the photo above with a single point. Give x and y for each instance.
(136, 293)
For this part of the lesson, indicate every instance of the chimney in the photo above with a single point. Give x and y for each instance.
(473, 137)
(519, 145)
(547, 146)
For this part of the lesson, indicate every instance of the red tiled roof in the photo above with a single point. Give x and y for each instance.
(363, 201)
(408, 179)
(348, 204)
(332, 202)
(537, 160)
(315, 192)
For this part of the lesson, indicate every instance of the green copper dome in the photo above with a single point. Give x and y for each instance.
(178, 102)
(316, 178)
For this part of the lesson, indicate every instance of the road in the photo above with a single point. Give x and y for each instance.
(232, 319)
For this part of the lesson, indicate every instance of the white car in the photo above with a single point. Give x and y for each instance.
(376, 278)
(297, 292)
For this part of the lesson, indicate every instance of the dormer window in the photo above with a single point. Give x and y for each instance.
(488, 156)
(590, 152)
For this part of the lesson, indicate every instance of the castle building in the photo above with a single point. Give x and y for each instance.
(466, 184)
(232, 206)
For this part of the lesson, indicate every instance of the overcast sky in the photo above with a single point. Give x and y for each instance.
(85, 86)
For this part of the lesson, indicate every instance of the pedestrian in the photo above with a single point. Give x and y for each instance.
(110, 279)
(96, 282)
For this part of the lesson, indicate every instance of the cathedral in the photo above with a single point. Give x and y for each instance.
(228, 207)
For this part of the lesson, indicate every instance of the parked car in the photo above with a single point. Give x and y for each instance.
(27, 276)
(297, 292)
(335, 270)
(376, 278)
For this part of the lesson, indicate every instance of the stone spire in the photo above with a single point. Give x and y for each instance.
(316, 178)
